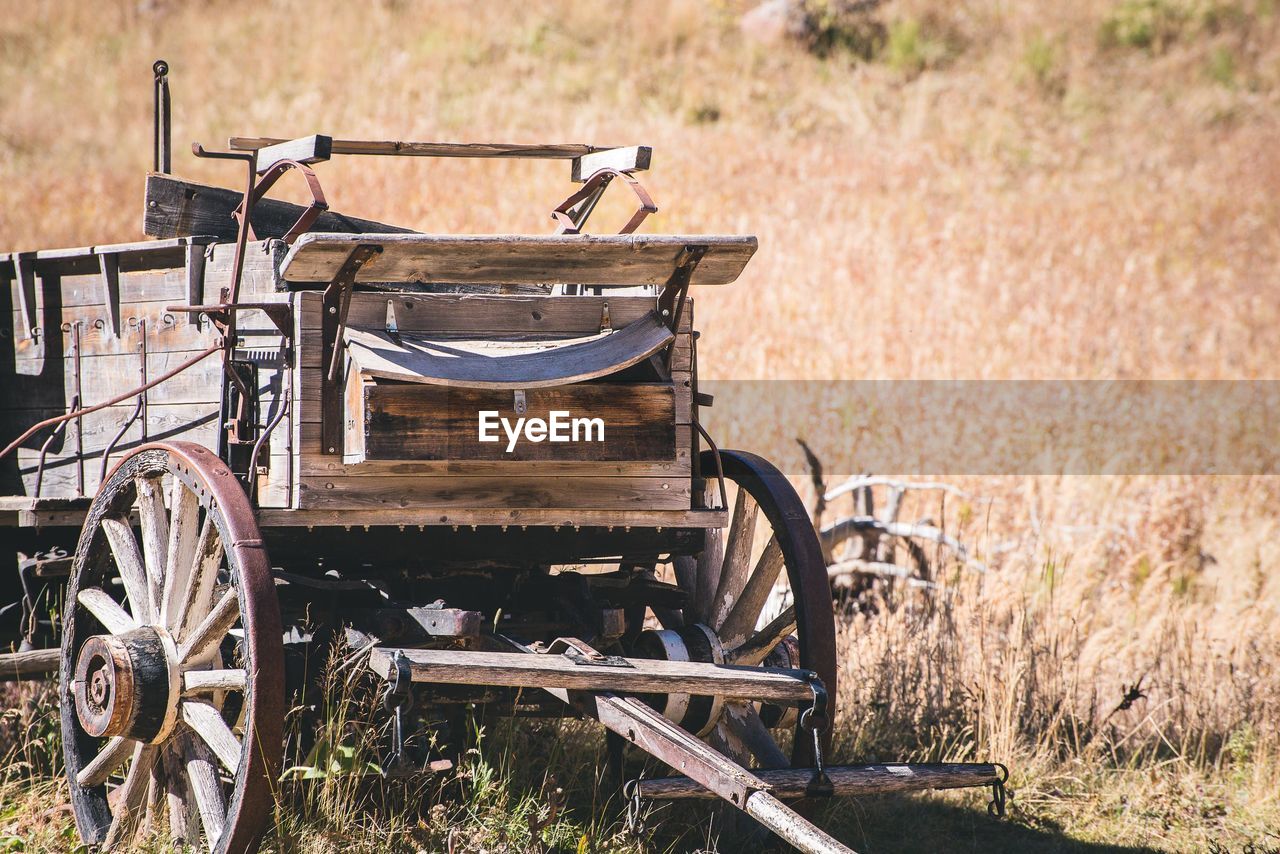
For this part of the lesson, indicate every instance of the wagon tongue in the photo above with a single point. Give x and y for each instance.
(609, 689)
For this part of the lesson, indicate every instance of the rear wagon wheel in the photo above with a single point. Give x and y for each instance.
(745, 610)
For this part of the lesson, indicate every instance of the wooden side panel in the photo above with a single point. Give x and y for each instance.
(38, 379)
(591, 422)
(454, 477)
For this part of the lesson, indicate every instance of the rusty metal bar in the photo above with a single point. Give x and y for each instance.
(162, 136)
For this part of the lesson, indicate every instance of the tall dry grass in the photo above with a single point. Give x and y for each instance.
(1007, 192)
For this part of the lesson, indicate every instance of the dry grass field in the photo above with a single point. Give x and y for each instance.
(972, 190)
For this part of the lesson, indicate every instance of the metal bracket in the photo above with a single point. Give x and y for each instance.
(999, 793)
(605, 324)
(109, 268)
(672, 299)
(25, 272)
(815, 719)
(579, 653)
(521, 402)
(334, 304)
(318, 204)
(570, 218)
(393, 330)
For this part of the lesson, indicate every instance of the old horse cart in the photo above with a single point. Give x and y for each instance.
(487, 446)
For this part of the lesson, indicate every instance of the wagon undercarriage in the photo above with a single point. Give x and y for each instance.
(475, 460)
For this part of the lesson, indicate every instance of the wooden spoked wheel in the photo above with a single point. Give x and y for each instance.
(172, 660)
(743, 609)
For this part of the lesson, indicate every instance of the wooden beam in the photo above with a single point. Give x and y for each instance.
(608, 260)
(307, 149)
(848, 780)
(552, 518)
(177, 208)
(635, 158)
(34, 664)
(516, 670)
(433, 149)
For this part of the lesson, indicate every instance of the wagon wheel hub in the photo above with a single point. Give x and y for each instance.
(126, 685)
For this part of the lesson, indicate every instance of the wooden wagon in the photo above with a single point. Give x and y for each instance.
(488, 446)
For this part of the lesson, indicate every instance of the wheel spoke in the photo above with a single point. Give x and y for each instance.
(202, 772)
(757, 649)
(743, 721)
(212, 629)
(155, 797)
(207, 723)
(746, 611)
(130, 566)
(686, 572)
(184, 529)
(196, 597)
(669, 618)
(709, 563)
(109, 758)
(725, 741)
(737, 557)
(208, 681)
(113, 618)
(129, 800)
(155, 533)
(183, 827)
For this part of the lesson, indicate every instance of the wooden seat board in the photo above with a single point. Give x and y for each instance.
(615, 260)
(417, 358)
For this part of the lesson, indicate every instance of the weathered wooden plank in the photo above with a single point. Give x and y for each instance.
(324, 465)
(176, 208)
(133, 257)
(403, 493)
(615, 260)
(308, 389)
(260, 279)
(410, 421)
(433, 149)
(521, 670)
(848, 780)
(35, 664)
(171, 285)
(480, 314)
(411, 357)
(306, 149)
(634, 158)
(61, 475)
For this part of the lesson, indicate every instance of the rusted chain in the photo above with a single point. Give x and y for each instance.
(49, 422)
